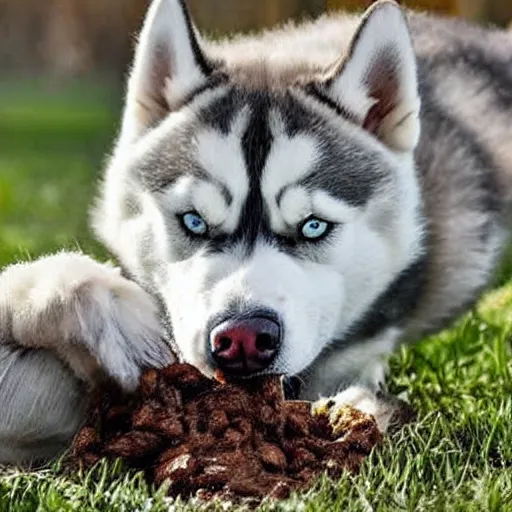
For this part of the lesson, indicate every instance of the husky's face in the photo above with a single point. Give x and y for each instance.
(268, 220)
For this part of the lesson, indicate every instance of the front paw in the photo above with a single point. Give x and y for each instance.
(389, 412)
(129, 337)
(94, 319)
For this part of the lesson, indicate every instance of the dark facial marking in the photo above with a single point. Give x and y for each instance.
(346, 171)
(256, 145)
(216, 79)
(316, 91)
(220, 114)
(157, 175)
(343, 169)
(394, 305)
(297, 118)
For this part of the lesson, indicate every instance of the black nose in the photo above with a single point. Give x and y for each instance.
(247, 344)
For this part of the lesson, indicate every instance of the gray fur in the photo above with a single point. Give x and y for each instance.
(42, 404)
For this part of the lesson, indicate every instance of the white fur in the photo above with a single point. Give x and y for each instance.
(295, 207)
(221, 156)
(332, 209)
(210, 204)
(361, 398)
(112, 224)
(42, 404)
(65, 322)
(318, 300)
(84, 311)
(203, 287)
(366, 361)
(290, 160)
(164, 66)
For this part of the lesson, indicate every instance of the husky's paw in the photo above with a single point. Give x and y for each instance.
(389, 412)
(92, 317)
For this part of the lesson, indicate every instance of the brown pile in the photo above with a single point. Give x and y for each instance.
(223, 439)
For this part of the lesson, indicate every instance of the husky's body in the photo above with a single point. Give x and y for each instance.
(310, 186)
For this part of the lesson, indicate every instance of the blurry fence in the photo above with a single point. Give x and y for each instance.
(67, 36)
(70, 37)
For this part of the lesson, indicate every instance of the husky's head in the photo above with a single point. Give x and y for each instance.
(267, 208)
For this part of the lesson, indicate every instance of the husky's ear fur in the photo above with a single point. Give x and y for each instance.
(169, 65)
(376, 82)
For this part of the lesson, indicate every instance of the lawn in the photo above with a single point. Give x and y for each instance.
(458, 456)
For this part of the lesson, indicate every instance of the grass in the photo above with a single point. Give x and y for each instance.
(458, 456)
(52, 142)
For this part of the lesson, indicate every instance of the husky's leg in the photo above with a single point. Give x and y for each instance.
(356, 376)
(389, 411)
(42, 404)
(66, 321)
(84, 311)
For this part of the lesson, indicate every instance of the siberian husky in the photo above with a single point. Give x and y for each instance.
(299, 202)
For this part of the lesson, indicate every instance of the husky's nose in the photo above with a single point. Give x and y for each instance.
(245, 345)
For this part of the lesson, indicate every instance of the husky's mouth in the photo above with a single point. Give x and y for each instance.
(292, 386)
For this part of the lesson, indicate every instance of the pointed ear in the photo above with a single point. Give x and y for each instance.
(376, 82)
(169, 65)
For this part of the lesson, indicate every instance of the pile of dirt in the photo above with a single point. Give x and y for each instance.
(222, 439)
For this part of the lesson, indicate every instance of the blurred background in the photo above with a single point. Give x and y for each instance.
(62, 67)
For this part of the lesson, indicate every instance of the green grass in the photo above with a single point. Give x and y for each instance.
(458, 456)
(52, 143)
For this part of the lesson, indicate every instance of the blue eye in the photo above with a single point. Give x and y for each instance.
(314, 228)
(194, 224)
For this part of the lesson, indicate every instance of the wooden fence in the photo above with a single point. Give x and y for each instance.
(70, 37)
